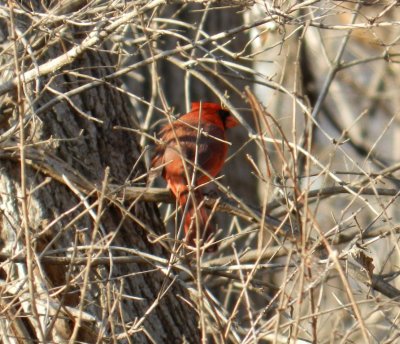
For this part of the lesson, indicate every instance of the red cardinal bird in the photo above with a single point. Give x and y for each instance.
(195, 138)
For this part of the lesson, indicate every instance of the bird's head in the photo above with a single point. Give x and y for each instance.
(226, 117)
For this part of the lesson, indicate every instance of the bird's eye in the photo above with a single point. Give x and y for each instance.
(224, 114)
(227, 118)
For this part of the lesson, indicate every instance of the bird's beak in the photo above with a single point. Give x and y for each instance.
(231, 122)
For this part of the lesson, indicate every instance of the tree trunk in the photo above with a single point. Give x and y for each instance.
(70, 141)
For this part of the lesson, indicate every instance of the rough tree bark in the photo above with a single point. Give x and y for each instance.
(45, 211)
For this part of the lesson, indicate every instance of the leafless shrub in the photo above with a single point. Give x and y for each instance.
(308, 246)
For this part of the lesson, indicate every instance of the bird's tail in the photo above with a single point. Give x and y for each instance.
(192, 216)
